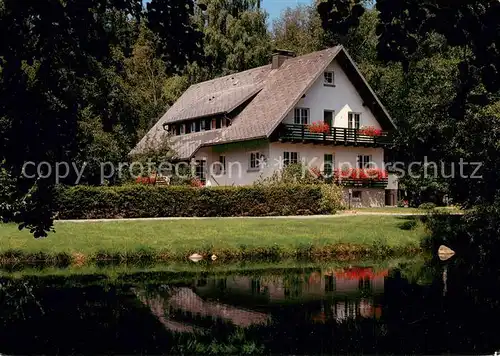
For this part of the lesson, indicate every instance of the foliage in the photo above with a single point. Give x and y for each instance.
(427, 206)
(235, 36)
(85, 202)
(339, 17)
(295, 173)
(171, 22)
(299, 30)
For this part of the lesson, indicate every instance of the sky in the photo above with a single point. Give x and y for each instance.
(275, 7)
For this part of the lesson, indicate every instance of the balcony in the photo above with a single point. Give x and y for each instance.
(334, 136)
(362, 183)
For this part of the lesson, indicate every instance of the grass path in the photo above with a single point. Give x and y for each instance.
(225, 237)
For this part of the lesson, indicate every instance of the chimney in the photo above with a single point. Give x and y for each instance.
(279, 56)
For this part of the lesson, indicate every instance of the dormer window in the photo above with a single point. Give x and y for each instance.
(329, 79)
(182, 129)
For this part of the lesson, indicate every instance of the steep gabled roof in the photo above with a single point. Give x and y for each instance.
(276, 93)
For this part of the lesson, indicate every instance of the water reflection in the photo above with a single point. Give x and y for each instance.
(302, 310)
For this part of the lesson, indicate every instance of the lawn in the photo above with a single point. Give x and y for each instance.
(225, 237)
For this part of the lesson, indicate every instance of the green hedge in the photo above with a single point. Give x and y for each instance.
(141, 201)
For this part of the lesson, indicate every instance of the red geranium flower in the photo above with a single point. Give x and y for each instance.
(319, 127)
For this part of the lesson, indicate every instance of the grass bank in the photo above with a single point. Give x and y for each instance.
(349, 237)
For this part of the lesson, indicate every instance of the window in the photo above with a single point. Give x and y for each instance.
(329, 78)
(195, 126)
(188, 128)
(200, 170)
(290, 158)
(221, 165)
(364, 161)
(214, 124)
(255, 160)
(182, 129)
(328, 165)
(202, 125)
(301, 116)
(356, 195)
(353, 120)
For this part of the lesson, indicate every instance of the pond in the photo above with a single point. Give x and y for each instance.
(393, 307)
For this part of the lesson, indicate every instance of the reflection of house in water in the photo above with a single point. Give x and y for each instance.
(184, 303)
(345, 293)
(244, 301)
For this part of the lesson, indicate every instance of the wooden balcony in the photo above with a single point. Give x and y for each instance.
(335, 136)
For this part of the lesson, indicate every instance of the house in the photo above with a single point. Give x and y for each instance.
(316, 109)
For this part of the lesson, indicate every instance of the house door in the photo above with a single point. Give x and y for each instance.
(328, 117)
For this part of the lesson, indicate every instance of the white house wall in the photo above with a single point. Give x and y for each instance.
(237, 165)
(313, 155)
(237, 160)
(341, 99)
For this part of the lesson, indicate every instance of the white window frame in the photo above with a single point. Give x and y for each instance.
(301, 116)
(326, 81)
(254, 161)
(365, 161)
(290, 157)
(354, 120)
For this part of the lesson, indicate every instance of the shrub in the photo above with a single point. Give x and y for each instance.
(135, 201)
(295, 173)
(427, 206)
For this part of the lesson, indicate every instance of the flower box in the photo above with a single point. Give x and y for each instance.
(319, 127)
(361, 174)
(369, 131)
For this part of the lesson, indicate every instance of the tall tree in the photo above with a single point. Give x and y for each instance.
(235, 35)
(180, 41)
(339, 17)
(298, 29)
(51, 48)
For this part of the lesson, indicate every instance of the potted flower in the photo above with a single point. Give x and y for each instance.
(319, 127)
(369, 131)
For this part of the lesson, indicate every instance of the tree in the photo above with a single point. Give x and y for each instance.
(51, 51)
(339, 17)
(180, 42)
(235, 35)
(298, 29)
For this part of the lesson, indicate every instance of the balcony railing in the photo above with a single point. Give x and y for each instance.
(335, 136)
(362, 183)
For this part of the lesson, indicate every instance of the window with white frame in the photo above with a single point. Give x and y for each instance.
(221, 165)
(182, 130)
(329, 78)
(301, 116)
(202, 125)
(353, 120)
(290, 158)
(364, 161)
(255, 160)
